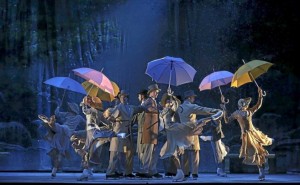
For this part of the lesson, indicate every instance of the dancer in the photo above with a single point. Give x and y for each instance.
(220, 150)
(59, 138)
(179, 135)
(121, 148)
(253, 140)
(98, 132)
(150, 134)
(187, 112)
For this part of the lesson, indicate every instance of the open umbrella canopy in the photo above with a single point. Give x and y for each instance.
(66, 83)
(249, 72)
(93, 90)
(95, 77)
(215, 79)
(170, 70)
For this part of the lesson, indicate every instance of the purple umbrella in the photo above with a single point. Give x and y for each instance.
(95, 77)
(171, 71)
(216, 79)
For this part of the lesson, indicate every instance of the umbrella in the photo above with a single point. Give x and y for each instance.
(216, 79)
(171, 71)
(96, 91)
(249, 71)
(66, 83)
(95, 77)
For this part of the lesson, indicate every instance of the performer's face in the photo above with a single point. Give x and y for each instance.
(141, 97)
(154, 94)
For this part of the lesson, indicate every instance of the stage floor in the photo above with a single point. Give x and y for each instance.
(99, 178)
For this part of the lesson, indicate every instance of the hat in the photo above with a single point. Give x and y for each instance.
(189, 93)
(243, 102)
(73, 107)
(153, 87)
(123, 93)
(143, 92)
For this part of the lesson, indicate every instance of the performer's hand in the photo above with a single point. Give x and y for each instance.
(223, 106)
(223, 99)
(260, 91)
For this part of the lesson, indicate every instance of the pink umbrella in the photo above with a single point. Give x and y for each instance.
(95, 77)
(216, 79)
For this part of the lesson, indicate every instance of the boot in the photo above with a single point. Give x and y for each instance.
(84, 176)
(261, 176)
(221, 173)
(53, 173)
(179, 176)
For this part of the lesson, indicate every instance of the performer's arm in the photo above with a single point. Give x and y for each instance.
(259, 101)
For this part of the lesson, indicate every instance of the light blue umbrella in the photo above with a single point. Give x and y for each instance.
(66, 83)
(170, 70)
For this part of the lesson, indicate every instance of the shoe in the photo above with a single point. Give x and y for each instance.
(179, 176)
(157, 176)
(140, 174)
(112, 176)
(90, 173)
(120, 174)
(84, 176)
(195, 176)
(221, 173)
(129, 176)
(53, 173)
(143, 175)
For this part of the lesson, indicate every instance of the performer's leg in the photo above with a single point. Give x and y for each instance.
(195, 157)
(185, 163)
(179, 174)
(261, 170)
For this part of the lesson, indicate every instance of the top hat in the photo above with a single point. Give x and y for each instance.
(153, 87)
(189, 93)
(143, 92)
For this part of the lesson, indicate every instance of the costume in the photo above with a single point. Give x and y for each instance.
(253, 140)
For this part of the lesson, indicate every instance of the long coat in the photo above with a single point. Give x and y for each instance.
(151, 123)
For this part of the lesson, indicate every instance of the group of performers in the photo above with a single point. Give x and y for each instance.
(175, 118)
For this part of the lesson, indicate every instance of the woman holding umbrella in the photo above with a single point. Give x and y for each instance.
(253, 140)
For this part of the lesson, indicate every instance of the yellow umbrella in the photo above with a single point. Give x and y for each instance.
(249, 72)
(93, 90)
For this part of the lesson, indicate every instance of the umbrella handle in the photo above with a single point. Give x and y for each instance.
(223, 100)
(264, 93)
(222, 97)
(169, 91)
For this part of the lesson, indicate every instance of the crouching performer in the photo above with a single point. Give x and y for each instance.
(59, 138)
